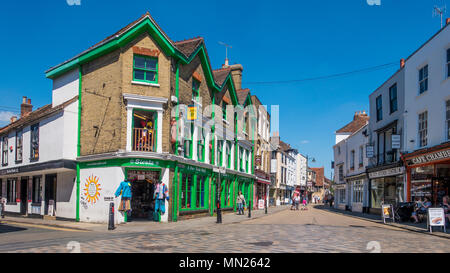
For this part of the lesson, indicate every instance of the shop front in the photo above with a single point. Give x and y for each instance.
(428, 173)
(261, 192)
(39, 190)
(358, 186)
(341, 196)
(387, 186)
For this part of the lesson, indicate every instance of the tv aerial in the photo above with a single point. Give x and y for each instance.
(226, 51)
(439, 11)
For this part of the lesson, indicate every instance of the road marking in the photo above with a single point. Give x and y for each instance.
(42, 226)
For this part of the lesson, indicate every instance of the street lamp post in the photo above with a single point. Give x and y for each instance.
(307, 160)
(219, 210)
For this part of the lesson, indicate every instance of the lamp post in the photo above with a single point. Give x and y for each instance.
(313, 160)
(219, 210)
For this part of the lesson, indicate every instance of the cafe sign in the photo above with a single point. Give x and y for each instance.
(429, 157)
(387, 172)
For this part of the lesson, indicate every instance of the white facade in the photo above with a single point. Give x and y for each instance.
(301, 170)
(432, 101)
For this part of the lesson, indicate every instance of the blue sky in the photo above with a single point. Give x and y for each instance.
(273, 40)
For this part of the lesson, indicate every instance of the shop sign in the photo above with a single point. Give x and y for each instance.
(192, 112)
(395, 139)
(370, 151)
(386, 212)
(436, 218)
(429, 157)
(387, 172)
(192, 169)
(261, 204)
(10, 171)
(144, 162)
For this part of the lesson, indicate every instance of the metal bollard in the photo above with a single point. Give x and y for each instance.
(249, 209)
(3, 201)
(111, 216)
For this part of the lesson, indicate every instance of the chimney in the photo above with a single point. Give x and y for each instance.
(13, 119)
(236, 73)
(402, 63)
(25, 108)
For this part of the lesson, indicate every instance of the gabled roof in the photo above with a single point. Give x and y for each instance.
(220, 75)
(36, 115)
(359, 121)
(188, 47)
(242, 95)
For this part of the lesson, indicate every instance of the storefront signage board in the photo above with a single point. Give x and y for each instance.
(436, 218)
(261, 204)
(387, 172)
(192, 112)
(429, 157)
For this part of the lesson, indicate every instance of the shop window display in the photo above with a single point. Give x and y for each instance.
(421, 182)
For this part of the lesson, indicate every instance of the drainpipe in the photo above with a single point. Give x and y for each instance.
(77, 217)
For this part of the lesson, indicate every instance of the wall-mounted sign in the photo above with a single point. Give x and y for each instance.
(370, 151)
(396, 142)
(387, 172)
(429, 157)
(192, 112)
(273, 166)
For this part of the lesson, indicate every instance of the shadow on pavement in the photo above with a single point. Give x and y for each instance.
(7, 228)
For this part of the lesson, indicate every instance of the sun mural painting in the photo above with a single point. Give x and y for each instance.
(92, 189)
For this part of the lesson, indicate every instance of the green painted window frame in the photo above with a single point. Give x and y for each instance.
(228, 153)
(145, 69)
(155, 121)
(195, 90)
(192, 193)
(247, 155)
(227, 194)
(224, 110)
(201, 138)
(191, 141)
(241, 156)
(220, 152)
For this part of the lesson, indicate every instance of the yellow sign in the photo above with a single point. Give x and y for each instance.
(192, 112)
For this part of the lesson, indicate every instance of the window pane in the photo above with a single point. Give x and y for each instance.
(150, 63)
(139, 74)
(150, 76)
(448, 55)
(139, 62)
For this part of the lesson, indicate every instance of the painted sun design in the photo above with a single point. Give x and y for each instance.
(92, 189)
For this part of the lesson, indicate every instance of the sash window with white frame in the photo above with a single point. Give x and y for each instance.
(423, 79)
(5, 150)
(19, 146)
(423, 125)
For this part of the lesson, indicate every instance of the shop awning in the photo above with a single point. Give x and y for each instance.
(263, 181)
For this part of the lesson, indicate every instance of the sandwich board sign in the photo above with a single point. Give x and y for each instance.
(386, 213)
(436, 218)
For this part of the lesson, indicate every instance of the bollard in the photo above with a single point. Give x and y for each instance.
(111, 216)
(219, 213)
(3, 201)
(265, 207)
(249, 209)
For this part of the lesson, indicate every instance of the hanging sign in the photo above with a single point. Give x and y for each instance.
(192, 112)
(369, 151)
(436, 218)
(395, 139)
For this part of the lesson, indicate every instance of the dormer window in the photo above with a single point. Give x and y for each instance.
(145, 69)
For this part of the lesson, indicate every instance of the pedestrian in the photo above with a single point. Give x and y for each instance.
(240, 201)
(297, 201)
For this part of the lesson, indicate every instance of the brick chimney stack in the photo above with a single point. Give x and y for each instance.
(236, 73)
(25, 108)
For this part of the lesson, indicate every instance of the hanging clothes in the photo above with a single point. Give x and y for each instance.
(160, 195)
(124, 190)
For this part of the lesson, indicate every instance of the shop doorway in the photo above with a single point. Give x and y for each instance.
(142, 188)
(50, 192)
(23, 196)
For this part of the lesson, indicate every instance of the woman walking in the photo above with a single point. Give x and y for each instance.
(240, 201)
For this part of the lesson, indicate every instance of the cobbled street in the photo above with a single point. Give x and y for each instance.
(313, 230)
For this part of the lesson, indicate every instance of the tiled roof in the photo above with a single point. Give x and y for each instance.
(319, 176)
(284, 146)
(220, 75)
(187, 47)
(359, 121)
(242, 95)
(36, 115)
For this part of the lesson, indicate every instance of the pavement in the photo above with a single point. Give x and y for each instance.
(315, 230)
(419, 227)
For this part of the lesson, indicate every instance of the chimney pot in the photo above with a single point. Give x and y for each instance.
(29, 101)
(13, 119)
(402, 63)
(24, 99)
